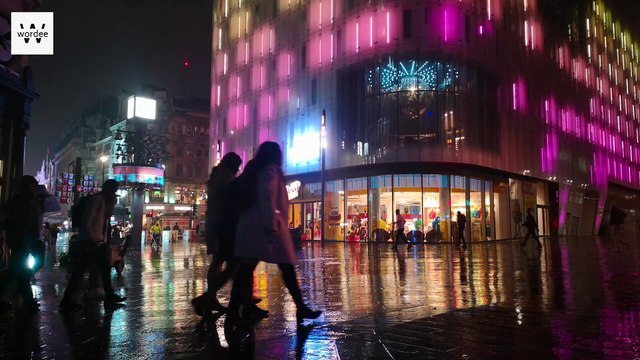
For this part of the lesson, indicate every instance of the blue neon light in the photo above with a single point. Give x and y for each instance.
(414, 75)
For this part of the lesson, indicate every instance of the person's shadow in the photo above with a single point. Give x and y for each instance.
(89, 331)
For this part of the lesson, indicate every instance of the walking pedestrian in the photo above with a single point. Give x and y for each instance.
(262, 233)
(532, 229)
(22, 218)
(94, 247)
(156, 235)
(461, 219)
(400, 223)
(221, 221)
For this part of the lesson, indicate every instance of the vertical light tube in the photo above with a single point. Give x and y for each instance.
(331, 47)
(271, 40)
(246, 22)
(218, 96)
(261, 78)
(237, 86)
(526, 34)
(220, 39)
(320, 15)
(371, 31)
(226, 8)
(246, 52)
(445, 26)
(515, 105)
(332, 12)
(357, 36)
(261, 43)
(288, 64)
(488, 9)
(388, 28)
(224, 64)
(320, 51)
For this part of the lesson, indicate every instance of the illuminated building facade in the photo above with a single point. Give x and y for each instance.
(487, 107)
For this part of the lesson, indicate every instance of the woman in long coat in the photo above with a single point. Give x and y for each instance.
(262, 233)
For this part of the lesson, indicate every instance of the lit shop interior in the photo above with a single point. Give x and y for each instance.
(363, 209)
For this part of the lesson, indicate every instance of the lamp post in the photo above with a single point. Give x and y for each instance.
(323, 148)
(104, 159)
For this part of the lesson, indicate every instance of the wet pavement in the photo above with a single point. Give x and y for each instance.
(575, 299)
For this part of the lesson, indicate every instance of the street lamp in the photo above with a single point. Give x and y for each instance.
(104, 159)
(323, 148)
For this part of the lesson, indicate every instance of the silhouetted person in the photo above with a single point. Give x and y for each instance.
(400, 222)
(262, 233)
(532, 229)
(94, 238)
(222, 218)
(22, 214)
(461, 219)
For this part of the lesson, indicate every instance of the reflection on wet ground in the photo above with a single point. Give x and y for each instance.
(574, 299)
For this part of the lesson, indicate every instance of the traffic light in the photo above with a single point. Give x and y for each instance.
(195, 208)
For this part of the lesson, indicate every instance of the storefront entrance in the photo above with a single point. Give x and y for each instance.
(307, 216)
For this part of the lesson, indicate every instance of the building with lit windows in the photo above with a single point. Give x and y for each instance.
(487, 107)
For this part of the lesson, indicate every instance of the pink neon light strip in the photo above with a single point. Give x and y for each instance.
(388, 29)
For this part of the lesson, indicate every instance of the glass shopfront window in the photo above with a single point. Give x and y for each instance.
(357, 210)
(334, 210)
(488, 210)
(475, 218)
(501, 209)
(458, 203)
(407, 194)
(436, 209)
(380, 202)
(517, 212)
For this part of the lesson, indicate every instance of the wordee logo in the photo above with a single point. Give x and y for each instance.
(32, 33)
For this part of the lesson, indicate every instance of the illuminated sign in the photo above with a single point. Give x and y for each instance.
(305, 149)
(139, 175)
(154, 207)
(182, 208)
(141, 107)
(293, 190)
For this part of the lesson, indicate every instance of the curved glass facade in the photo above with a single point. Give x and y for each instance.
(535, 92)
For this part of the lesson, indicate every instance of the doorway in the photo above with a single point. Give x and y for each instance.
(544, 228)
(306, 215)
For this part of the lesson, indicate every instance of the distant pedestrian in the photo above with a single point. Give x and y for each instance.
(262, 233)
(221, 221)
(616, 221)
(461, 220)
(94, 245)
(156, 234)
(22, 216)
(532, 229)
(400, 224)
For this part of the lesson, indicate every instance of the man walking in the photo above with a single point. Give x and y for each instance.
(462, 224)
(532, 229)
(94, 241)
(400, 222)
(22, 221)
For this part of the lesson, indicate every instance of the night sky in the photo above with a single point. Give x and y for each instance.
(102, 46)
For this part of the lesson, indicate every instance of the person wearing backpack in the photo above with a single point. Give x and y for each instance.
(22, 224)
(263, 235)
(222, 217)
(94, 237)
